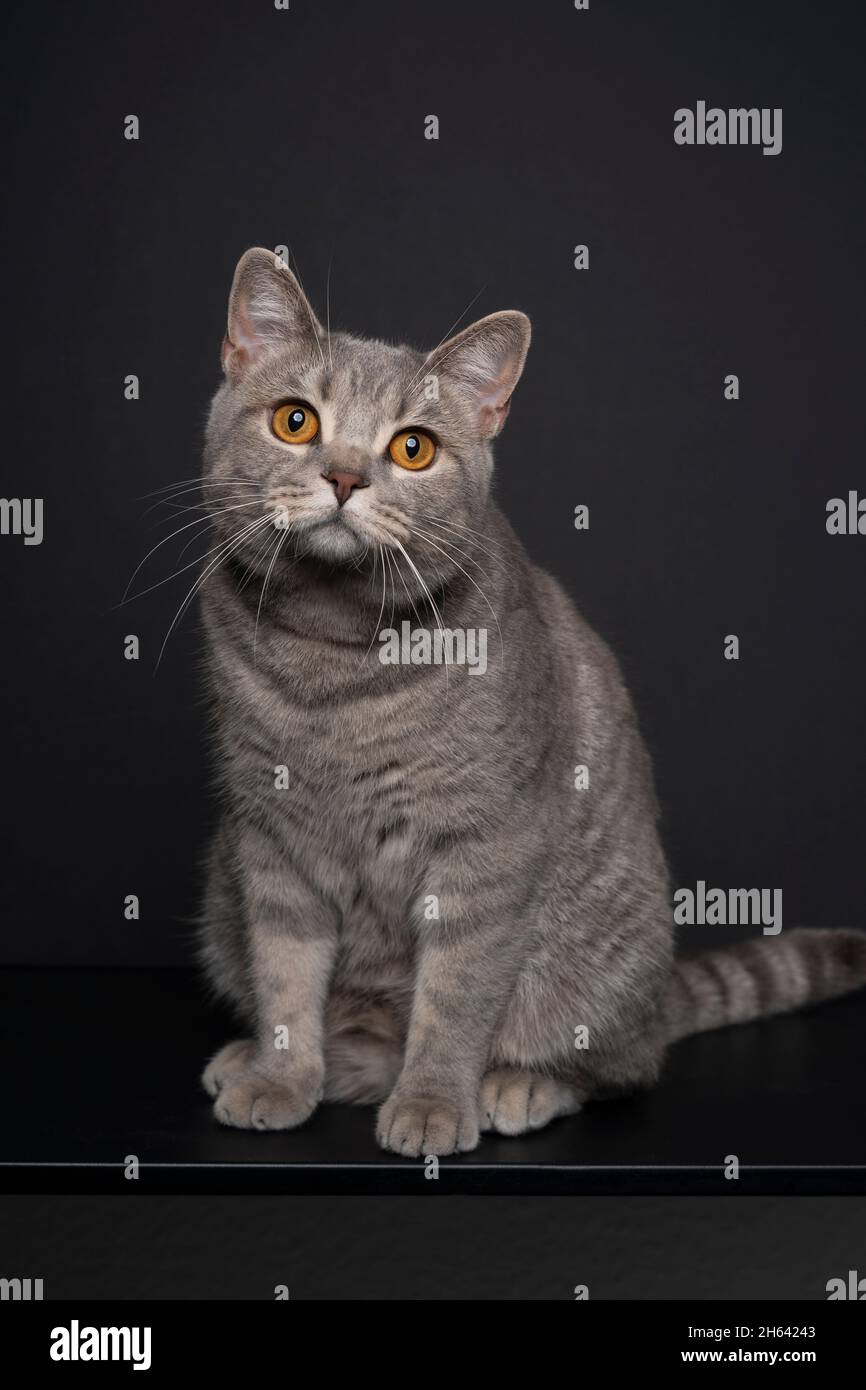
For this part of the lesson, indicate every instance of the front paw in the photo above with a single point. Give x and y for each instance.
(417, 1126)
(248, 1098)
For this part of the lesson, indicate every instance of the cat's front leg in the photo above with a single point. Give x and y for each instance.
(275, 1079)
(467, 966)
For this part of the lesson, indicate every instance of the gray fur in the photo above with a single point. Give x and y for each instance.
(411, 781)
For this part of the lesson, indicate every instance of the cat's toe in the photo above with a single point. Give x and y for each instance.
(229, 1061)
(245, 1097)
(250, 1101)
(283, 1107)
(513, 1101)
(419, 1126)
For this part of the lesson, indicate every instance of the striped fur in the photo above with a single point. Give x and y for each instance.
(755, 979)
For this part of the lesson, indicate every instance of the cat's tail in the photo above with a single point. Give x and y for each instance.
(754, 979)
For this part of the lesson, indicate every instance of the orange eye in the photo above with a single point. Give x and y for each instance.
(294, 423)
(412, 449)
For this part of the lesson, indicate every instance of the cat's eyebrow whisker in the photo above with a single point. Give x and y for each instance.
(328, 312)
(446, 336)
(458, 348)
(313, 323)
(225, 551)
(197, 522)
(471, 581)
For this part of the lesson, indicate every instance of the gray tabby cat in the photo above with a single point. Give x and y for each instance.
(408, 899)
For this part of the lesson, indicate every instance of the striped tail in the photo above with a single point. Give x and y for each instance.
(755, 979)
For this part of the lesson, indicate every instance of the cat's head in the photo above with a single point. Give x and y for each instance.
(346, 444)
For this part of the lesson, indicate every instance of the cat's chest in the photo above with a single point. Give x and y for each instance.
(372, 778)
(372, 769)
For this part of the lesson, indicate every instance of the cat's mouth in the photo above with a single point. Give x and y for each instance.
(334, 537)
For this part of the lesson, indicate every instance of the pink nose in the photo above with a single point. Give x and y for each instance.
(344, 484)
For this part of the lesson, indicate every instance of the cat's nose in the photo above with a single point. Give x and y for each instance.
(344, 484)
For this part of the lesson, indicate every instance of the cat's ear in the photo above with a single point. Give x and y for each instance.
(268, 310)
(485, 361)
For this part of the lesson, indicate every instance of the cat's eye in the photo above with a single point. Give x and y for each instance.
(412, 449)
(295, 423)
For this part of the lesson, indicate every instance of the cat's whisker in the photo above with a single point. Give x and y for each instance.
(177, 511)
(447, 532)
(446, 336)
(471, 533)
(422, 581)
(206, 520)
(437, 535)
(280, 543)
(226, 490)
(458, 347)
(408, 594)
(391, 563)
(378, 628)
(328, 312)
(193, 484)
(313, 324)
(469, 577)
(226, 550)
(203, 522)
(166, 539)
(198, 560)
(250, 569)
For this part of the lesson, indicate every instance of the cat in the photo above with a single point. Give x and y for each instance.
(407, 898)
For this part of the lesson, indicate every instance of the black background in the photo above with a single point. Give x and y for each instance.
(397, 1248)
(306, 128)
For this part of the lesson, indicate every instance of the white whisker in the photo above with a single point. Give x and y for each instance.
(377, 629)
(446, 336)
(225, 551)
(468, 576)
(328, 313)
(430, 598)
(280, 543)
(313, 323)
(166, 539)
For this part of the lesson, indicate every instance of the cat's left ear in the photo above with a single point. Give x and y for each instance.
(268, 311)
(485, 362)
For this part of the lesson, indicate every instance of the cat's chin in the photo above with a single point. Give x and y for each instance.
(333, 541)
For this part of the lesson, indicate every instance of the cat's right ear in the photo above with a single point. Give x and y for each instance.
(268, 311)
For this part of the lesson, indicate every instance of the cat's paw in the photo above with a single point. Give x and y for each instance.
(230, 1061)
(514, 1101)
(416, 1126)
(246, 1098)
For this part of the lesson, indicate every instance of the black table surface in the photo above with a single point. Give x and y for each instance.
(102, 1065)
